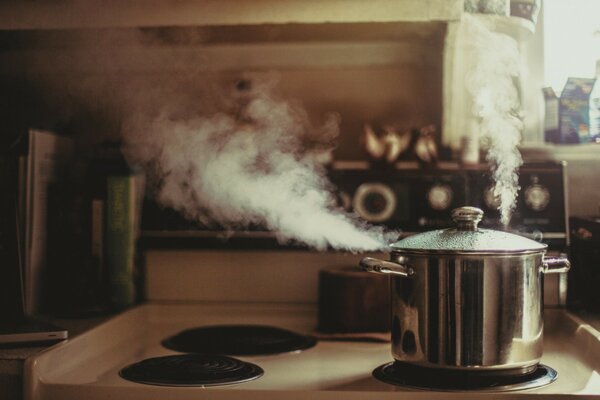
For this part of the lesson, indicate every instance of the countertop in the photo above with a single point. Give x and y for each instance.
(12, 358)
(591, 318)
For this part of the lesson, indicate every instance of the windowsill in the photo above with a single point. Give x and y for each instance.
(583, 151)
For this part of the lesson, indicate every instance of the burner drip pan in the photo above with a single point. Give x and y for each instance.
(191, 370)
(238, 340)
(402, 374)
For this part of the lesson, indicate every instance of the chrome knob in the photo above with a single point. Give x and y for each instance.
(439, 197)
(537, 197)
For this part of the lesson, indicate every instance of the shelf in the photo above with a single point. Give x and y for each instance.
(568, 152)
(77, 14)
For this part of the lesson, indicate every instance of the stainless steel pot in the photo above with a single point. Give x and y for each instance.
(467, 298)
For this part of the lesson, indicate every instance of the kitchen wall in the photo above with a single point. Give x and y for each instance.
(83, 81)
(86, 81)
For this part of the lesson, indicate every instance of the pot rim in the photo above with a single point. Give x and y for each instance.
(441, 252)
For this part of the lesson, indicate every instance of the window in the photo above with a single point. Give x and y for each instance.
(571, 41)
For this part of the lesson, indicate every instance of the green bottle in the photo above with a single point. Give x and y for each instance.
(120, 235)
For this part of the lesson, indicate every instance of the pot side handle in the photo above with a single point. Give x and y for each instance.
(386, 267)
(555, 265)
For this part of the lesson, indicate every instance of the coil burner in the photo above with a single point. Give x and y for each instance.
(191, 370)
(402, 374)
(238, 340)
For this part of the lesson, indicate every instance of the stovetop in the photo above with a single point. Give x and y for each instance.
(88, 366)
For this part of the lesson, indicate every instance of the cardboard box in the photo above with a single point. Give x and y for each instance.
(580, 111)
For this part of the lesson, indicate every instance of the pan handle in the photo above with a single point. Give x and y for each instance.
(386, 267)
(555, 265)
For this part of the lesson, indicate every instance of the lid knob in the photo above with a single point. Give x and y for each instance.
(467, 218)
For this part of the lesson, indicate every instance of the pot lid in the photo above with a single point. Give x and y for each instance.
(466, 237)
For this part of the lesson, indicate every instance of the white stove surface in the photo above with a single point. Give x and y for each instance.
(87, 366)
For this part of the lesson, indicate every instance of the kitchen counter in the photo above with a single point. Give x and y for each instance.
(12, 358)
(593, 319)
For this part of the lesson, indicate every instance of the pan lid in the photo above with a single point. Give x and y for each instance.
(467, 238)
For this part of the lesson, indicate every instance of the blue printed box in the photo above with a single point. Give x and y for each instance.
(580, 111)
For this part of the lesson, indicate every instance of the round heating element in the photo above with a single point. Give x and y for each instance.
(402, 374)
(191, 370)
(238, 340)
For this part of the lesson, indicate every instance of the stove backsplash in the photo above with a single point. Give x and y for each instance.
(267, 276)
(251, 267)
(407, 198)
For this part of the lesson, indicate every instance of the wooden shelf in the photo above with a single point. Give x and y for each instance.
(77, 14)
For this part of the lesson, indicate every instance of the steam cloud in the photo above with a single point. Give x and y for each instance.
(496, 103)
(254, 163)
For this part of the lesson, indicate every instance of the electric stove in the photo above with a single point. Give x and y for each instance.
(100, 364)
(242, 325)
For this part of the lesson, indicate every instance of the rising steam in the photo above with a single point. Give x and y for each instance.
(250, 164)
(490, 81)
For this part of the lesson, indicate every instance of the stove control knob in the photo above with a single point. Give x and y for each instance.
(537, 197)
(491, 201)
(374, 202)
(439, 197)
